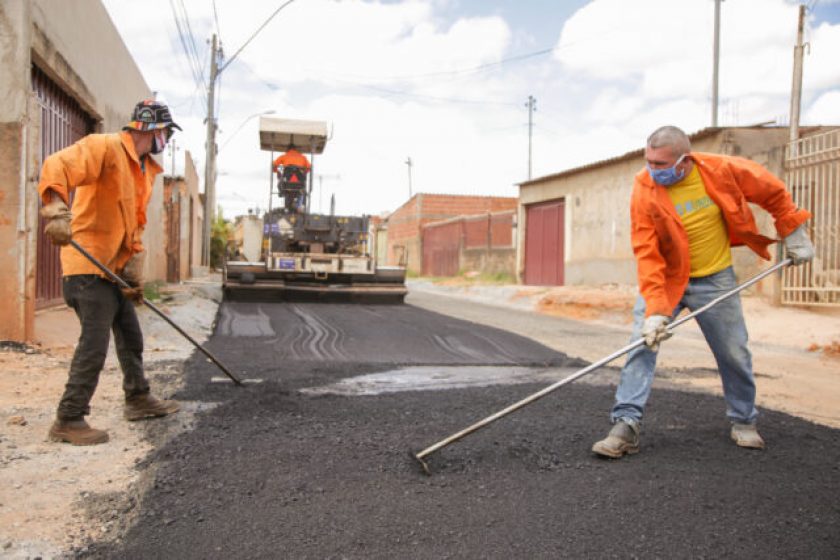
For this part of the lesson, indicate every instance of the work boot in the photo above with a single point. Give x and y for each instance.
(76, 432)
(746, 435)
(146, 406)
(623, 438)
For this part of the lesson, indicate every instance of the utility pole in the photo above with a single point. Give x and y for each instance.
(173, 149)
(796, 90)
(532, 106)
(716, 64)
(210, 154)
(321, 188)
(409, 164)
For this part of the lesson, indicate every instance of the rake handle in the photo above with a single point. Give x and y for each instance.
(123, 284)
(588, 369)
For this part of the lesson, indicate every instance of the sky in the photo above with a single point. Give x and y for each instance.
(446, 83)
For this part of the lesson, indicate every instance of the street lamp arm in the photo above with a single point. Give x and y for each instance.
(251, 38)
(243, 123)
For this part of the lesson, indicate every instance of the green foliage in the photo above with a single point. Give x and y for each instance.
(220, 231)
(151, 290)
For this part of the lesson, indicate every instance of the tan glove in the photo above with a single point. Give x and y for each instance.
(132, 272)
(58, 218)
(135, 294)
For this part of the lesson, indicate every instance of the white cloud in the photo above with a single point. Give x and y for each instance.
(825, 110)
(399, 79)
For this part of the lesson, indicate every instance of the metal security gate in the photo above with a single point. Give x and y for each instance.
(812, 173)
(172, 207)
(442, 249)
(63, 122)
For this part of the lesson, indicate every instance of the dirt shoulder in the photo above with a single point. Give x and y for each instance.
(796, 350)
(48, 491)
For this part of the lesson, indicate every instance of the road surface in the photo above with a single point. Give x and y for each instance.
(312, 462)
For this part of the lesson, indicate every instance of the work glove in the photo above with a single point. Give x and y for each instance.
(654, 331)
(798, 246)
(58, 218)
(132, 272)
(134, 293)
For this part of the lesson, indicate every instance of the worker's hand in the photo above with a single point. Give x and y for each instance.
(58, 218)
(133, 293)
(654, 331)
(132, 272)
(798, 246)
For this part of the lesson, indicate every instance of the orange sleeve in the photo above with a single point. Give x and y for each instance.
(769, 192)
(63, 171)
(650, 264)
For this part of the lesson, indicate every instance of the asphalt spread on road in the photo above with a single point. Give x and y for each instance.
(274, 472)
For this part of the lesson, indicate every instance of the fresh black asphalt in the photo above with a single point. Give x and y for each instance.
(275, 473)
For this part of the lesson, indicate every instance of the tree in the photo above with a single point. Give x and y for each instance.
(220, 231)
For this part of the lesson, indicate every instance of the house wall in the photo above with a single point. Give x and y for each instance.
(191, 211)
(597, 219)
(67, 41)
(196, 205)
(248, 235)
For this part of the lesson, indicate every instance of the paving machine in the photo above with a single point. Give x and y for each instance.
(307, 256)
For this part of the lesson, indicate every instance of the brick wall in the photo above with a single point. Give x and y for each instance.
(406, 222)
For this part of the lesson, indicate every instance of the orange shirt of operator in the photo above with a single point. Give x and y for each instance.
(294, 158)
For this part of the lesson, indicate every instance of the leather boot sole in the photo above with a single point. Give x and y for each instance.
(59, 437)
(615, 453)
(135, 415)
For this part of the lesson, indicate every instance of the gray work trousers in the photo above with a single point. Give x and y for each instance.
(101, 307)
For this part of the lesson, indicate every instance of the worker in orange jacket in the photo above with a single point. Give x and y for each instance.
(111, 177)
(687, 209)
(290, 160)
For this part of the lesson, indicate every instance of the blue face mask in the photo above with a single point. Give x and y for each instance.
(669, 176)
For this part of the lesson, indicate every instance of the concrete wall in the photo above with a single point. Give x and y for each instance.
(77, 46)
(248, 235)
(492, 260)
(597, 219)
(196, 217)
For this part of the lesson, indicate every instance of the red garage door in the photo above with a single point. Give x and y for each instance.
(544, 244)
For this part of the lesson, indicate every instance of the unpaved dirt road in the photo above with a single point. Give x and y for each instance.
(313, 462)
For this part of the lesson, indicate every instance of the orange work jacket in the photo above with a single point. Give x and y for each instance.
(112, 192)
(660, 242)
(292, 157)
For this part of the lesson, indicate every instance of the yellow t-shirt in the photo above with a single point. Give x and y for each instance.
(708, 240)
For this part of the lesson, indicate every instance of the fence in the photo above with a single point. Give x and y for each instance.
(812, 173)
(483, 242)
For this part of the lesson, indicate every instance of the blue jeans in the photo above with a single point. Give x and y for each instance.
(725, 332)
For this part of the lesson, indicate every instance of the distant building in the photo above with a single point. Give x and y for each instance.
(247, 239)
(406, 222)
(184, 218)
(65, 73)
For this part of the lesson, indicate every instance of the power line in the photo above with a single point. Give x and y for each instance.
(194, 65)
(433, 97)
(191, 37)
(216, 18)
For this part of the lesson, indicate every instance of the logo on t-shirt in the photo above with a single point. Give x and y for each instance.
(690, 206)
